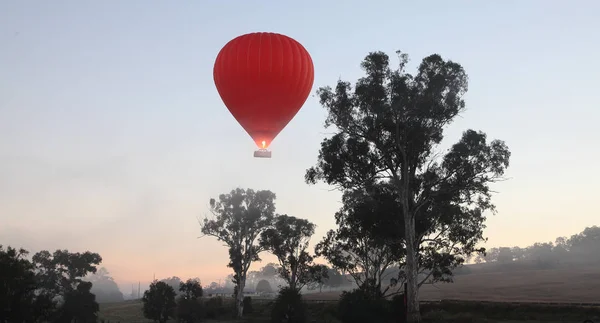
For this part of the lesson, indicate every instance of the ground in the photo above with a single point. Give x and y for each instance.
(560, 286)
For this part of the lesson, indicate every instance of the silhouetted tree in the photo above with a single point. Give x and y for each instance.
(263, 286)
(368, 239)
(269, 271)
(288, 240)
(31, 291)
(191, 289)
(334, 278)
(80, 305)
(387, 130)
(159, 302)
(189, 308)
(584, 246)
(17, 285)
(62, 271)
(240, 217)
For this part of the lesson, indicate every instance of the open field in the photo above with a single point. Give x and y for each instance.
(557, 286)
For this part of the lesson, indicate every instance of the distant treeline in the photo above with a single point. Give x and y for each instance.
(580, 249)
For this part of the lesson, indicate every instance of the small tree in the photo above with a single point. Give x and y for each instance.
(191, 289)
(387, 130)
(288, 240)
(240, 217)
(189, 308)
(263, 286)
(80, 305)
(289, 307)
(159, 302)
(334, 278)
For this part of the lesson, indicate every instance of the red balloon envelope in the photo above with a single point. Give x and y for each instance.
(263, 79)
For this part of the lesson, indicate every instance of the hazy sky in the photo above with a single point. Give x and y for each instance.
(113, 137)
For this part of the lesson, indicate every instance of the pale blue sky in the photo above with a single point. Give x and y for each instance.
(113, 136)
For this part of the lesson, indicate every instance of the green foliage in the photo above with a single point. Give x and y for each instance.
(214, 308)
(80, 305)
(369, 235)
(190, 310)
(28, 289)
(359, 306)
(288, 239)
(189, 306)
(248, 309)
(17, 285)
(191, 289)
(62, 271)
(159, 302)
(289, 307)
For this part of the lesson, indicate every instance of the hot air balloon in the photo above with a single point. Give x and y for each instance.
(263, 79)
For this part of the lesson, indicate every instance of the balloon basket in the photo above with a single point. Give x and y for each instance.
(262, 153)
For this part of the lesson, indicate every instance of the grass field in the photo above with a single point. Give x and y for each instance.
(560, 286)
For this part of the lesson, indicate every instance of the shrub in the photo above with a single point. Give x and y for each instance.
(398, 309)
(358, 306)
(213, 308)
(289, 307)
(248, 305)
(189, 310)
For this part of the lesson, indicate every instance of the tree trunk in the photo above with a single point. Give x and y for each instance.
(239, 299)
(412, 297)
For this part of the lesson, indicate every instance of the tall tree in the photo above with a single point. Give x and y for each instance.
(387, 130)
(288, 240)
(239, 219)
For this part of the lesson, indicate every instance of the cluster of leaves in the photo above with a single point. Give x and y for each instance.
(48, 288)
